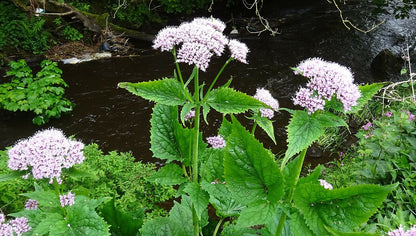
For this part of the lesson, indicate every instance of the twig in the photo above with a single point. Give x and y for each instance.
(262, 20)
(346, 21)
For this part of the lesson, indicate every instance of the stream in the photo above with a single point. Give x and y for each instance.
(118, 120)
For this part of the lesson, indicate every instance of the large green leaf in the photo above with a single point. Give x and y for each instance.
(169, 174)
(250, 171)
(199, 197)
(221, 198)
(165, 91)
(227, 100)
(298, 225)
(122, 223)
(302, 131)
(257, 214)
(367, 92)
(82, 219)
(162, 133)
(160, 227)
(343, 209)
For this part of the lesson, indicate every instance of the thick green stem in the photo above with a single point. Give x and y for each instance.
(218, 75)
(298, 169)
(217, 227)
(195, 148)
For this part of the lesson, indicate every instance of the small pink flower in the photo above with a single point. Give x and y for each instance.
(31, 204)
(190, 115)
(389, 114)
(411, 116)
(342, 164)
(216, 142)
(367, 126)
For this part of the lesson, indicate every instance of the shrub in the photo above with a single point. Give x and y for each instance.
(43, 94)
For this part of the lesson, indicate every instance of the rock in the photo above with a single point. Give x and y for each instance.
(386, 66)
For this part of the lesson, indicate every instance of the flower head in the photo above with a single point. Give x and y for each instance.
(263, 95)
(20, 225)
(216, 142)
(328, 79)
(198, 41)
(389, 114)
(2, 218)
(46, 153)
(325, 184)
(401, 232)
(31, 204)
(166, 39)
(67, 200)
(238, 50)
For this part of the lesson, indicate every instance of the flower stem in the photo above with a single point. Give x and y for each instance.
(180, 75)
(298, 169)
(195, 148)
(218, 75)
(254, 128)
(217, 227)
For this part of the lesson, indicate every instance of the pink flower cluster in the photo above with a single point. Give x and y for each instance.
(45, 154)
(67, 200)
(401, 232)
(190, 115)
(200, 39)
(326, 80)
(17, 226)
(264, 96)
(325, 184)
(216, 142)
(31, 204)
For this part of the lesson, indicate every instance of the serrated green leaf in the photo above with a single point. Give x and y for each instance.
(266, 124)
(232, 230)
(159, 227)
(185, 110)
(45, 198)
(170, 174)
(181, 216)
(302, 131)
(165, 91)
(199, 197)
(227, 100)
(298, 225)
(250, 171)
(221, 198)
(82, 219)
(328, 119)
(47, 221)
(256, 213)
(162, 136)
(367, 92)
(341, 209)
(205, 110)
(338, 233)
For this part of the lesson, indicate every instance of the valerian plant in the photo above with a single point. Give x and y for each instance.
(233, 171)
(50, 210)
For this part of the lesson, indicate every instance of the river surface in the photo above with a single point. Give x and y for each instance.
(118, 120)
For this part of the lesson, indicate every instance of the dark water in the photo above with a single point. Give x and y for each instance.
(117, 120)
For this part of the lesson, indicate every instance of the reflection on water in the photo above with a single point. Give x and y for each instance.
(117, 120)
